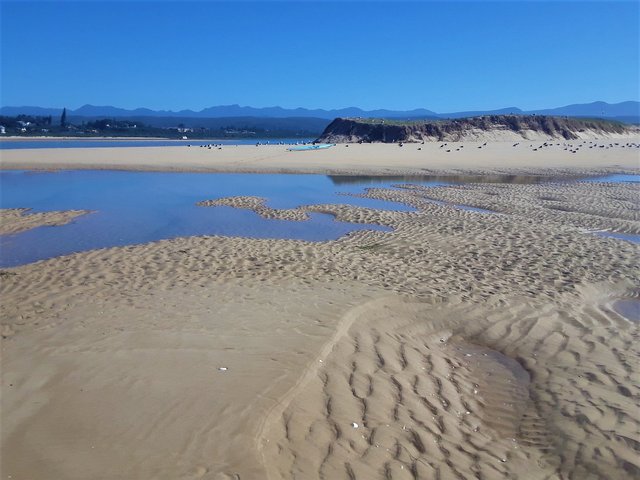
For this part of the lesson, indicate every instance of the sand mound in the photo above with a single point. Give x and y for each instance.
(420, 390)
(15, 220)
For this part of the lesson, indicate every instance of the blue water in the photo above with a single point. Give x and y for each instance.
(323, 146)
(138, 207)
(82, 143)
(629, 237)
(616, 178)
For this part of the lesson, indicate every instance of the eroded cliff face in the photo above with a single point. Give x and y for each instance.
(490, 127)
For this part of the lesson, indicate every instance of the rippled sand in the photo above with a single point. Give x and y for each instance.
(459, 345)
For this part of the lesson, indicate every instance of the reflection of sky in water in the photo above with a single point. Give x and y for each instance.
(85, 143)
(616, 178)
(138, 207)
(628, 308)
(629, 237)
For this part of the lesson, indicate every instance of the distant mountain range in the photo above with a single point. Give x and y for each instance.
(628, 112)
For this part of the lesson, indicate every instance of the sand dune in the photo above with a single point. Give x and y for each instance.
(111, 358)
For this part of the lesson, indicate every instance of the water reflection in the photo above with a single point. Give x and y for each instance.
(512, 179)
(628, 308)
(139, 207)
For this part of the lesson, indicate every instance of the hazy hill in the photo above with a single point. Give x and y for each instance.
(625, 111)
(483, 128)
(595, 109)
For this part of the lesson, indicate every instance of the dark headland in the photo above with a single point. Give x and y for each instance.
(487, 127)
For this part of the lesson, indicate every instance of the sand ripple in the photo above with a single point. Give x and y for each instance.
(508, 317)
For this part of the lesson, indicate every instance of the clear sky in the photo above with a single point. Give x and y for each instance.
(444, 56)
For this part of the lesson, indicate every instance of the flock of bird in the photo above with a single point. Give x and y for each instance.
(574, 148)
(570, 147)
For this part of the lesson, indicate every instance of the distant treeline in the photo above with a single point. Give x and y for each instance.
(162, 127)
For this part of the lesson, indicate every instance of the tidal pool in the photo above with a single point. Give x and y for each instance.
(628, 308)
(138, 207)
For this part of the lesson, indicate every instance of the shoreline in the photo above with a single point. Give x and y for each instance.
(43, 138)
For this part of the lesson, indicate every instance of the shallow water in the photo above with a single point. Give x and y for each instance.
(509, 179)
(138, 207)
(629, 237)
(111, 143)
(615, 178)
(628, 308)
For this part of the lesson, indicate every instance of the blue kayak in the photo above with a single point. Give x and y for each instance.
(321, 146)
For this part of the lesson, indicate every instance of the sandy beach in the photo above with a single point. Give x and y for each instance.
(356, 158)
(458, 345)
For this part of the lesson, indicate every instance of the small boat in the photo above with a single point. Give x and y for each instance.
(320, 146)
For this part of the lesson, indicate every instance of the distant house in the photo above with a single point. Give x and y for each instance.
(2, 130)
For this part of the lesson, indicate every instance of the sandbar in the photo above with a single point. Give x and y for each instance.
(356, 158)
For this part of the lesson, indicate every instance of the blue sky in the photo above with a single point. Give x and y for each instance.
(444, 56)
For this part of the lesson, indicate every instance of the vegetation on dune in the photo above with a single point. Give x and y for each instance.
(396, 130)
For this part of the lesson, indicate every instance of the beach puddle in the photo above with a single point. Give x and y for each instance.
(628, 308)
(615, 178)
(629, 237)
(139, 207)
(128, 143)
(452, 179)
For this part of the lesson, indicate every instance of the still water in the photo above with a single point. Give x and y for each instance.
(137, 207)
(100, 143)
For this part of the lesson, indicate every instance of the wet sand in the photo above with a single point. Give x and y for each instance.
(459, 345)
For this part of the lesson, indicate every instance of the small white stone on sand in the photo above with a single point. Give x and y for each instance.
(222, 369)
(355, 425)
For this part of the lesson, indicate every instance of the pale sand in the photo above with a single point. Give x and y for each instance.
(15, 220)
(366, 158)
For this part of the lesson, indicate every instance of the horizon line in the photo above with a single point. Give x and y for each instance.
(315, 108)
